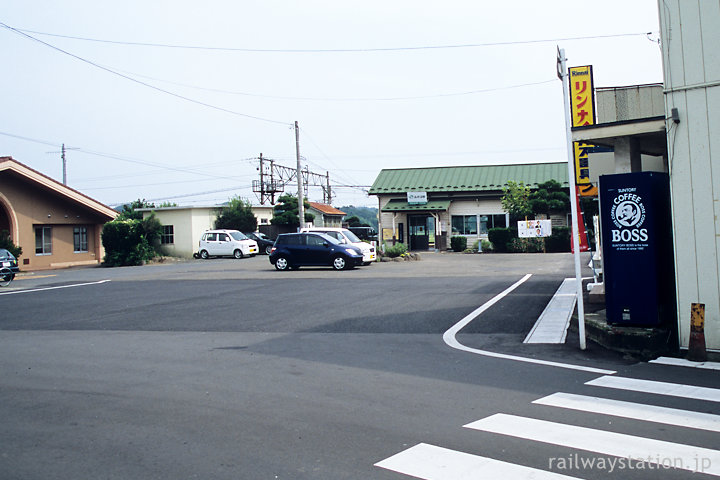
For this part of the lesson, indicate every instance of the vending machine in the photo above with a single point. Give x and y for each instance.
(638, 265)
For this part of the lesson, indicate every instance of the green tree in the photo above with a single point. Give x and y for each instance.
(7, 243)
(516, 200)
(129, 212)
(237, 215)
(550, 197)
(286, 211)
(355, 221)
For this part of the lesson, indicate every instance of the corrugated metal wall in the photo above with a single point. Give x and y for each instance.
(690, 32)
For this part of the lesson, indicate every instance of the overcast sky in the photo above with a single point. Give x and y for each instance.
(173, 123)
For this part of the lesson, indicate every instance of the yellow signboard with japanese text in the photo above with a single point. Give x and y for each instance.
(582, 111)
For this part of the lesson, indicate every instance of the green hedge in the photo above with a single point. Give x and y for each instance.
(130, 242)
(500, 238)
(559, 241)
(458, 243)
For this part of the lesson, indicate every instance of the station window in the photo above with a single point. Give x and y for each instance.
(464, 224)
(43, 240)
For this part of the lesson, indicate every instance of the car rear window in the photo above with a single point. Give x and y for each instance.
(289, 240)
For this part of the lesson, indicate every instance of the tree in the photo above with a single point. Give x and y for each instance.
(131, 241)
(286, 211)
(7, 243)
(354, 221)
(550, 197)
(237, 215)
(128, 211)
(516, 200)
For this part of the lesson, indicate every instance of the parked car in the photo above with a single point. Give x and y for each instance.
(264, 243)
(222, 243)
(8, 267)
(294, 250)
(346, 237)
(364, 233)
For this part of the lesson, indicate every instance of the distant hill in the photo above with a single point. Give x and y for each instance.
(365, 214)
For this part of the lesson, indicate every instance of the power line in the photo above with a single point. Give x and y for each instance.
(140, 82)
(333, 50)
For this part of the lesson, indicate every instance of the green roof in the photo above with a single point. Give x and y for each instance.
(402, 206)
(467, 179)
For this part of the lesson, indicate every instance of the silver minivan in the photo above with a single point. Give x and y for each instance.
(225, 243)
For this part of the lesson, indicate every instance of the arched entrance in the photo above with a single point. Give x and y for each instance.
(5, 223)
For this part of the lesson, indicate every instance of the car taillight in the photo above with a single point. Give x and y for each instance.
(272, 249)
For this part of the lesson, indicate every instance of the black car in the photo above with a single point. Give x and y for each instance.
(264, 243)
(8, 266)
(293, 250)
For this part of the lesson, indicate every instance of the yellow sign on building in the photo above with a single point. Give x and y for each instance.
(582, 110)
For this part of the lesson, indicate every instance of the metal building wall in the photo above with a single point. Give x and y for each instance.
(690, 33)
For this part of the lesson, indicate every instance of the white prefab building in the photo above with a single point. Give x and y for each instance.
(690, 33)
(183, 226)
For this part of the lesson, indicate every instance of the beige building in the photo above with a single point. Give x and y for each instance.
(55, 225)
(326, 215)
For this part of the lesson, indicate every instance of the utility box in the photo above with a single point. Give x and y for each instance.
(638, 266)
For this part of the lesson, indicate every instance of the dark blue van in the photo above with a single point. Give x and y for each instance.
(295, 250)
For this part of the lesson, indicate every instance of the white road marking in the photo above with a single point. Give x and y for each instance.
(681, 362)
(627, 447)
(552, 325)
(53, 288)
(635, 411)
(429, 462)
(659, 388)
(451, 341)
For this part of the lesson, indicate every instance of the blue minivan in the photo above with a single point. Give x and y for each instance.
(294, 250)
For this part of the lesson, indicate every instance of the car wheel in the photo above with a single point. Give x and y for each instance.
(204, 255)
(268, 249)
(339, 263)
(281, 263)
(238, 253)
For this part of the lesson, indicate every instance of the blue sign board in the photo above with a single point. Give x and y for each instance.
(637, 246)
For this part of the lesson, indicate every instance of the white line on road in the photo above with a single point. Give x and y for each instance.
(681, 362)
(429, 462)
(54, 288)
(635, 411)
(659, 388)
(450, 340)
(627, 447)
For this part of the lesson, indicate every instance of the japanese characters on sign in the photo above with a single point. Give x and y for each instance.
(582, 109)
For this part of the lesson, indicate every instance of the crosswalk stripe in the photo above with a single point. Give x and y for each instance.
(429, 462)
(635, 411)
(660, 388)
(627, 447)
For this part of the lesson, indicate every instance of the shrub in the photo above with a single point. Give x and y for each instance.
(559, 241)
(7, 244)
(526, 245)
(395, 250)
(130, 242)
(458, 243)
(486, 245)
(500, 238)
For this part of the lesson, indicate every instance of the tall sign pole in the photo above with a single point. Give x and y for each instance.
(562, 73)
(301, 198)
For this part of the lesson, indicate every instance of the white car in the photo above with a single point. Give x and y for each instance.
(221, 243)
(343, 235)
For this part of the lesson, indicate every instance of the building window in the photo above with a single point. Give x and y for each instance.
(80, 239)
(464, 224)
(492, 221)
(168, 235)
(43, 240)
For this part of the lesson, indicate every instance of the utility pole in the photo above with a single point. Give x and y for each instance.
(329, 193)
(301, 198)
(262, 181)
(64, 161)
(562, 74)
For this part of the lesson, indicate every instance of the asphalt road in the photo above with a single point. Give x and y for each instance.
(228, 369)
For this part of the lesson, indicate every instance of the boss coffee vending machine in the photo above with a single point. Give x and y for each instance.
(638, 266)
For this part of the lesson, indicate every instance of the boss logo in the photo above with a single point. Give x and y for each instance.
(628, 214)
